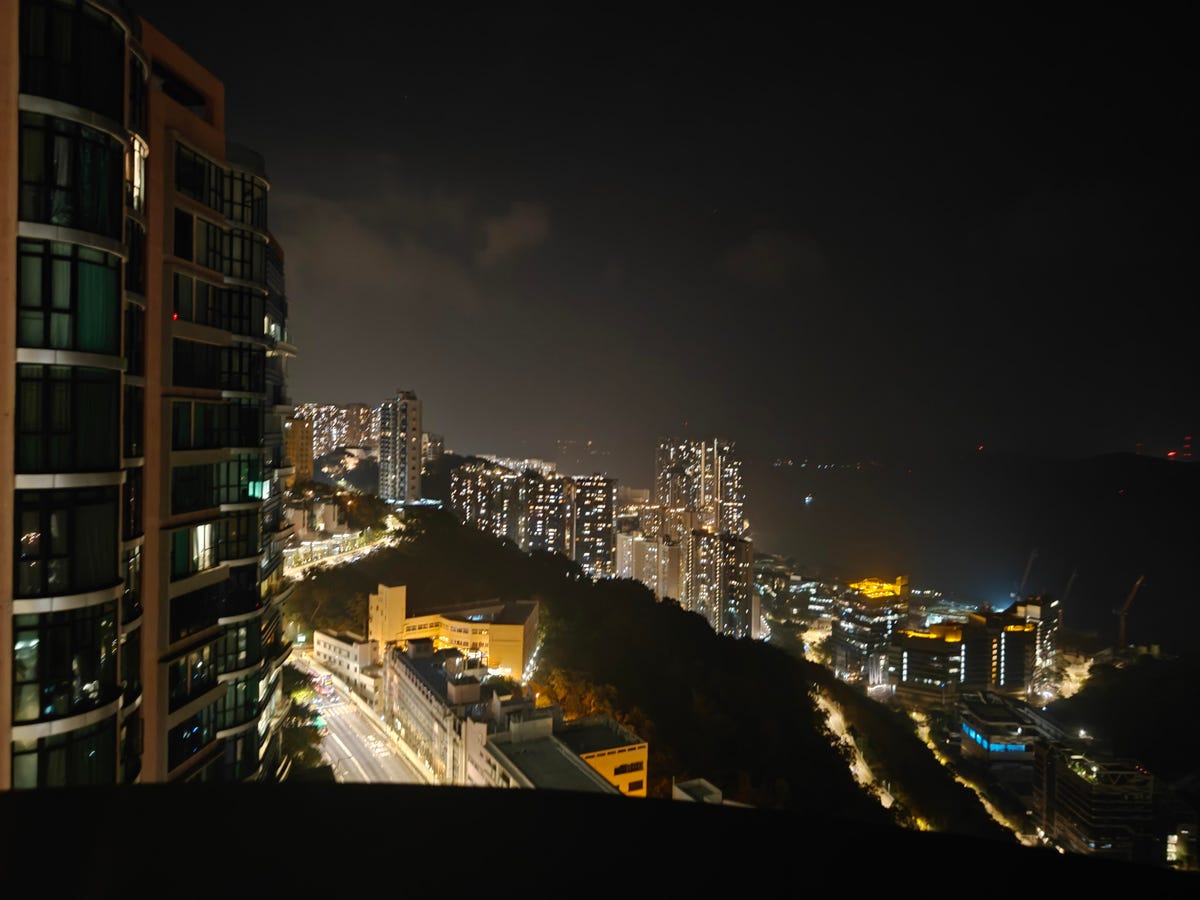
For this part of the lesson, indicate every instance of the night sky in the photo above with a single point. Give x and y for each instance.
(832, 236)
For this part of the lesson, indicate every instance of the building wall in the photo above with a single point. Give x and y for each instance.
(9, 138)
(349, 657)
(623, 767)
(298, 439)
(387, 609)
(503, 646)
(400, 448)
(66, 471)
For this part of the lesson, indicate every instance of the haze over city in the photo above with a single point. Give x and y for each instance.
(837, 235)
(773, 425)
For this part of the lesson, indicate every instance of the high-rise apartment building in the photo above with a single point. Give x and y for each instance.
(359, 420)
(330, 426)
(400, 448)
(717, 582)
(144, 367)
(699, 503)
(595, 526)
(550, 508)
(492, 498)
(698, 484)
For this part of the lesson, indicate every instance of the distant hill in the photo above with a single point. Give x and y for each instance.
(973, 525)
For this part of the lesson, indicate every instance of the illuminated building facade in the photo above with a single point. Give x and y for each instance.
(550, 505)
(400, 448)
(654, 561)
(698, 484)
(145, 369)
(717, 582)
(611, 749)
(998, 652)
(491, 498)
(359, 422)
(863, 628)
(298, 442)
(466, 733)
(595, 524)
(924, 665)
(329, 426)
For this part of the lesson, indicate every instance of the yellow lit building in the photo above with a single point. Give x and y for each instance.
(386, 609)
(611, 749)
(875, 589)
(502, 634)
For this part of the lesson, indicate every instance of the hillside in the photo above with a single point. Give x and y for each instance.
(739, 713)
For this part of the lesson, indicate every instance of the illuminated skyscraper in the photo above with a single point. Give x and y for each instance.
(699, 485)
(550, 502)
(595, 526)
(400, 448)
(717, 582)
(700, 502)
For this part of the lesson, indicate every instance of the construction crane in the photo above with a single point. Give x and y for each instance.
(1124, 610)
(1020, 594)
(1067, 590)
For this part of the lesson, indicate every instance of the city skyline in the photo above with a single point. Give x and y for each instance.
(865, 237)
(220, 575)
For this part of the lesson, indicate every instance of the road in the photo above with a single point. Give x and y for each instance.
(356, 744)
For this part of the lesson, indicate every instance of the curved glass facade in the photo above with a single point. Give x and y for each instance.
(73, 163)
(148, 356)
(65, 663)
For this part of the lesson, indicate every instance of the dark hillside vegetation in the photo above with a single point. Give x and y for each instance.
(740, 713)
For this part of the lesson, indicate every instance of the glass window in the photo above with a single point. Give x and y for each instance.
(71, 175)
(73, 52)
(134, 420)
(68, 298)
(67, 419)
(80, 758)
(65, 662)
(184, 222)
(66, 541)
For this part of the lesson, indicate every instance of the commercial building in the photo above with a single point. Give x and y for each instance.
(400, 448)
(1095, 805)
(145, 369)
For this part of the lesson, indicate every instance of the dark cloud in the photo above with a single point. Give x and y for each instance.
(774, 259)
(524, 226)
